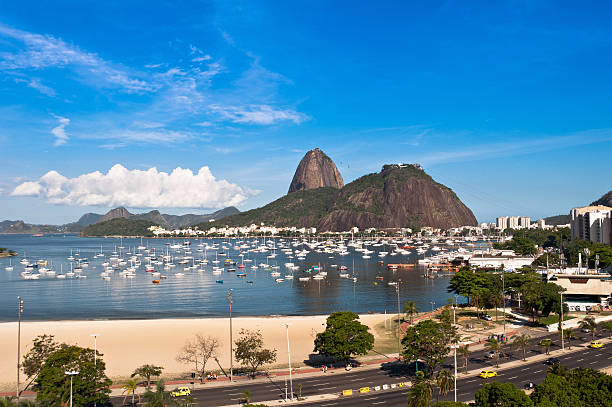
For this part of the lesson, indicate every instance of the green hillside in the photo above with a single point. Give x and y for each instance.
(301, 208)
(119, 227)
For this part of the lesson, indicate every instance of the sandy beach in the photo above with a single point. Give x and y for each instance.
(127, 344)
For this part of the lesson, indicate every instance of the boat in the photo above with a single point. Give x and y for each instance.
(240, 274)
(10, 266)
(155, 281)
(219, 281)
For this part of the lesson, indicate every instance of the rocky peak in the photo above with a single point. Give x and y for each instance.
(119, 212)
(316, 170)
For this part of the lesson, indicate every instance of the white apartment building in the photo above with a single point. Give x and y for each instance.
(513, 222)
(592, 223)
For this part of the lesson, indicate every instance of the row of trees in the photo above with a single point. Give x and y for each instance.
(577, 388)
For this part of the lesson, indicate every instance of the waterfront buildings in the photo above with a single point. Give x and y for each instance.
(592, 223)
(513, 222)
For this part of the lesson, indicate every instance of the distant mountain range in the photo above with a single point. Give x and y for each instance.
(155, 217)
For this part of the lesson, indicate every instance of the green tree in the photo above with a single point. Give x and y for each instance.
(343, 337)
(465, 353)
(590, 324)
(445, 382)
(450, 404)
(421, 392)
(410, 308)
(147, 372)
(466, 282)
(557, 369)
(250, 351)
(501, 395)
(546, 345)
(160, 397)
(90, 385)
(130, 387)
(495, 346)
(606, 326)
(425, 340)
(247, 396)
(556, 391)
(521, 342)
(33, 361)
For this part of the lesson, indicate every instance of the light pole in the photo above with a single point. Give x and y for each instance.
(289, 355)
(561, 324)
(231, 301)
(433, 303)
(95, 336)
(399, 339)
(19, 311)
(71, 373)
(504, 298)
(455, 348)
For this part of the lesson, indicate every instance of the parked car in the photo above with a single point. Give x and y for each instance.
(490, 355)
(596, 345)
(486, 317)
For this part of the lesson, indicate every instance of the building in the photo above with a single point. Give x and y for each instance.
(584, 292)
(592, 223)
(502, 222)
(513, 222)
(525, 222)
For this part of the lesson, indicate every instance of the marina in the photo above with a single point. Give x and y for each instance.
(68, 277)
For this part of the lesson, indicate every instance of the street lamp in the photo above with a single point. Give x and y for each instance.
(399, 340)
(95, 336)
(289, 355)
(19, 312)
(71, 373)
(231, 301)
(561, 325)
(455, 348)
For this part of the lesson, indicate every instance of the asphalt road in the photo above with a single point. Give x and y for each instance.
(335, 381)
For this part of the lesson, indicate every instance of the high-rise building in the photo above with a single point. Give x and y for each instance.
(502, 222)
(592, 223)
(525, 222)
(513, 222)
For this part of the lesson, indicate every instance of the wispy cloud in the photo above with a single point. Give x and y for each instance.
(42, 88)
(59, 131)
(258, 114)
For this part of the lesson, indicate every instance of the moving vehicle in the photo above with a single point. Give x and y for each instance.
(485, 374)
(552, 361)
(490, 355)
(546, 342)
(181, 391)
(486, 317)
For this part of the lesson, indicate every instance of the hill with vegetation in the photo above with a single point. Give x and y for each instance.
(605, 200)
(557, 220)
(398, 196)
(119, 227)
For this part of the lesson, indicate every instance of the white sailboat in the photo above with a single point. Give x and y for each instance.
(10, 266)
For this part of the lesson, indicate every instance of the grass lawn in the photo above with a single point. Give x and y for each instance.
(553, 318)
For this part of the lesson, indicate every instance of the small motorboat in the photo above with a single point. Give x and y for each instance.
(219, 281)
(155, 281)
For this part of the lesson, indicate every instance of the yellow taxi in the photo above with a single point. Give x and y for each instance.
(181, 391)
(545, 342)
(596, 345)
(485, 374)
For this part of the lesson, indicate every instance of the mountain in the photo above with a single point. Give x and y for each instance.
(605, 200)
(19, 226)
(557, 220)
(119, 212)
(398, 196)
(153, 216)
(181, 221)
(88, 219)
(315, 170)
(119, 227)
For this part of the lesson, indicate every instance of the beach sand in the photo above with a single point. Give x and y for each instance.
(127, 344)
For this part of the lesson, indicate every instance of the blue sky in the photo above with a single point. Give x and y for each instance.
(189, 106)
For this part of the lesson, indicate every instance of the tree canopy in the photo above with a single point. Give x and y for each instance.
(502, 395)
(344, 336)
(429, 341)
(250, 351)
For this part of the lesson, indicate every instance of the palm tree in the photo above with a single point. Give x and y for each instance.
(130, 387)
(590, 324)
(521, 341)
(606, 326)
(160, 397)
(465, 353)
(420, 394)
(146, 372)
(247, 396)
(569, 335)
(557, 368)
(8, 402)
(495, 346)
(445, 382)
(546, 345)
(410, 308)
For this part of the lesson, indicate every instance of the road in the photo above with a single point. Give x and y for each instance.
(333, 382)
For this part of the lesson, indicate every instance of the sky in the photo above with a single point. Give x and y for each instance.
(188, 106)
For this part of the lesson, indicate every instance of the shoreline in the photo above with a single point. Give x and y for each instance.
(127, 344)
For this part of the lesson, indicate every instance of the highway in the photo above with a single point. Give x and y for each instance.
(333, 382)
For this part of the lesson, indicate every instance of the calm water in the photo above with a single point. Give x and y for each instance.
(197, 294)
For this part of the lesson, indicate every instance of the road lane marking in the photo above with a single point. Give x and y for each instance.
(379, 402)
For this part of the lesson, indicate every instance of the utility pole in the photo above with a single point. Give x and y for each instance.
(289, 353)
(231, 301)
(399, 339)
(504, 298)
(19, 311)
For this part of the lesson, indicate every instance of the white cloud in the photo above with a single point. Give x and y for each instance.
(203, 58)
(42, 88)
(46, 51)
(27, 189)
(258, 114)
(60, 131)
(181, 188)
